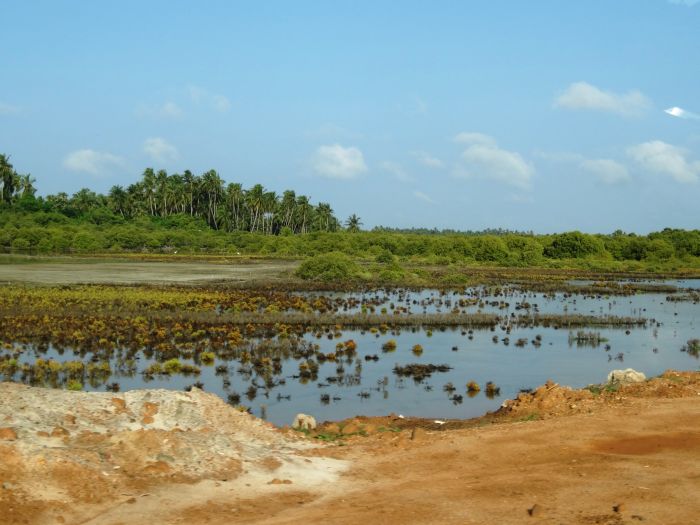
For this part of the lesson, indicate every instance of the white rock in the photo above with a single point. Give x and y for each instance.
(627, 376)
(304, 422)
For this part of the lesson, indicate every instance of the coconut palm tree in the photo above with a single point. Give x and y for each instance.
(304, 209)
(353, 223)
(255, 197)
(324, 216)
(234, 200)
(118, 199)
(148, 180)
(9, 178)
(26, 185)
(212, 186)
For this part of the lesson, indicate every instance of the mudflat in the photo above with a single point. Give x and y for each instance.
(141, 272)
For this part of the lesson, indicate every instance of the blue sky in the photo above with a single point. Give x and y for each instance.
(541, 115)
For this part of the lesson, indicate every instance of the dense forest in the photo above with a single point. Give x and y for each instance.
(202, 214)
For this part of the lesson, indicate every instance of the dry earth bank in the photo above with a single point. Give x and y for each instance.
(627, 455)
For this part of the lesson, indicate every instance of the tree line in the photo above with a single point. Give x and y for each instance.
(223, 206)
(203, 214)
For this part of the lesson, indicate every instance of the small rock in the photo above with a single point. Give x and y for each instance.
(8, 433)
(304, 422)
(620, 507)
(535, 510)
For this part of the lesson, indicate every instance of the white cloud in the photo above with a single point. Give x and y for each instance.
(607, 170)
(426, 159)
(160, 150)
(483, 158)
(166, 110)
(474, 138)
(215, 101)
(8, 109)
(582, 95)
(675, 111)
(98, 163)
(397, 171)
(338, 162)
(422, 196)
(659, 157)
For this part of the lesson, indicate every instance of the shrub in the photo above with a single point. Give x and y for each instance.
(572, 245)
(334, 266)
(74, 385)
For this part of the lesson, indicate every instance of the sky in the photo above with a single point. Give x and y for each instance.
(542, 115)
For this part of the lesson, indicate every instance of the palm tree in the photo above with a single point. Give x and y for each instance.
(190, 183)
(234, 198)
(269, 206)
(118, 200)
(149, 188)
(254, 201)
(212, 185)
(303, 211)
(9, 178)
(324, 214)
(353, 223)
(287, 207)
(26, 185)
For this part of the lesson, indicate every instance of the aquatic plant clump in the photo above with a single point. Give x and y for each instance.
(419, 371)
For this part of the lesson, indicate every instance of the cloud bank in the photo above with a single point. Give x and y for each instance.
(585, 96)
(665, 159)
(338, 162)
(607, 170)
(483, 158)
(160, 150)
(97, 163)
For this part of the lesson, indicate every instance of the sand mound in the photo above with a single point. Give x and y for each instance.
(60, 449)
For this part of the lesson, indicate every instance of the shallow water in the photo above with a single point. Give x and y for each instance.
(371, 387)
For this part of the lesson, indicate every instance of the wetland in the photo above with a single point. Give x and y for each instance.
(279, 349)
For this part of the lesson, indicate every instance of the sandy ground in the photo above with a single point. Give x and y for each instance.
(631, 456)
(129, 272)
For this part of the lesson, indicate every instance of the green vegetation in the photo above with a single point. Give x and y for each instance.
(330, 267)
(74, 385)
(190, 214)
